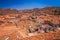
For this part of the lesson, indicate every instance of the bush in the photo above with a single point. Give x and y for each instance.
(1, 22)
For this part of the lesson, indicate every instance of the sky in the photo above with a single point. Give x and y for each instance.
(28, 4)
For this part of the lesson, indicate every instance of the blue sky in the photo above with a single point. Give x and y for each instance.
(28, 4)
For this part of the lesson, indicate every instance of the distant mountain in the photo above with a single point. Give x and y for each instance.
(52, 10)
(7, 11)
(47, 10)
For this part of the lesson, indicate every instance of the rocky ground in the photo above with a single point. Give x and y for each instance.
(34, 24)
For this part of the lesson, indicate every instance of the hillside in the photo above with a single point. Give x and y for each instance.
(30, 24)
